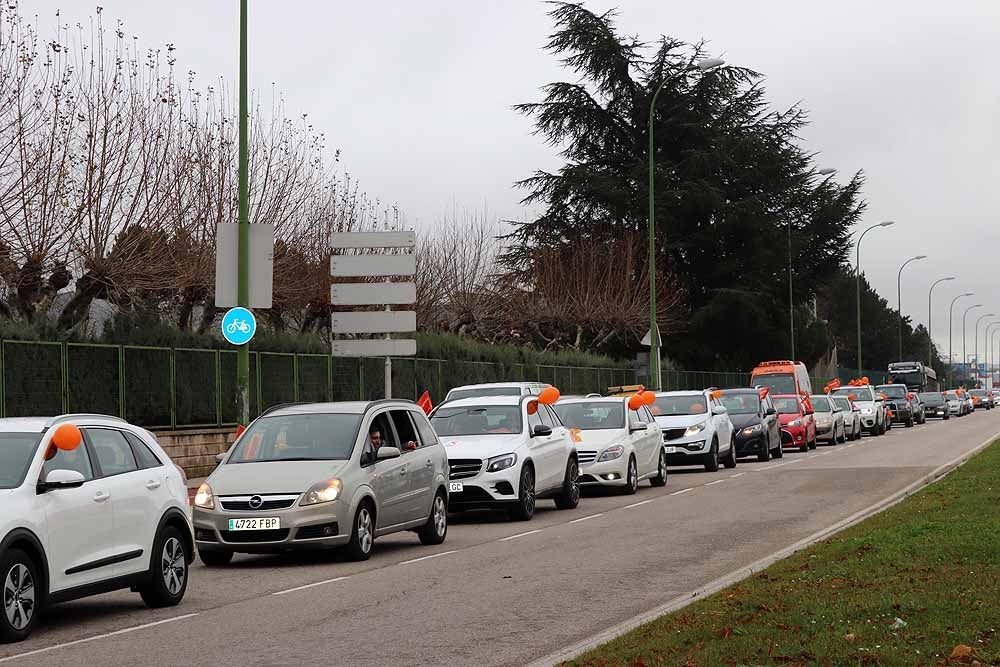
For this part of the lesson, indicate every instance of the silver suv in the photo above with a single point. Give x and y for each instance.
(323, 475)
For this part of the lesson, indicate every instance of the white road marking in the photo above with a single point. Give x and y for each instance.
(718, 481)
(586, 518)
(417, 560)
(677, 493)
(514, 537)
(778, 465)
(313, 585)
(641, 502)
(736, 475)
(96, 637)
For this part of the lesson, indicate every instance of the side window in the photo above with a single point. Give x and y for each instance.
(114, 455)
(645, 416)
(143, 454)
(77, 460)
(426, 431)
(553, 416)
(633, 419)
(533, 420)
(380, 424)
(543, 412)
(404, 430)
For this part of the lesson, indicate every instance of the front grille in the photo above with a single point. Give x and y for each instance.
(241, 505)
(673, 433)
(245, 536)
(464, 468)
(586, 456)
(786, 438)
(320, 530)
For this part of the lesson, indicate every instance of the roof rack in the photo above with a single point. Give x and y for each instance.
(81, 415)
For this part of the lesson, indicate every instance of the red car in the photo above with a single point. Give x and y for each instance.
(798, 425)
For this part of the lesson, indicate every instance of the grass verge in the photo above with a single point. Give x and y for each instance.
(918, 584)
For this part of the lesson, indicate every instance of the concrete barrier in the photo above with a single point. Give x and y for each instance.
(195, 450)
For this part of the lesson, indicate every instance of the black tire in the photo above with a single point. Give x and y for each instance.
(631, 478)
(20, 596)
(168, 571)
(764, 455)
(814, 443)
(661, 471)
(436, 528)
(362, 533)
(712, 458)
(909, 422)
(569, 496)
(843, 435)
(780, 451)
(215, 558)
(730, 460)
(525, 507)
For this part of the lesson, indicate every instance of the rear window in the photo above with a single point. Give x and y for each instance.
(16, 452)
(305, 437)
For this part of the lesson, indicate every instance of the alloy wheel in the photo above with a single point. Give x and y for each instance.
(365, 530)
(633, 475)
(174, 566)
(528, 491)
(19, 596)
(440, 516)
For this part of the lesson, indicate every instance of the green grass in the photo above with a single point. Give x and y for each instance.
(932, 561)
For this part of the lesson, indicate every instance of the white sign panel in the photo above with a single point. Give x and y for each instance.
(373, 240)
(368, 294)
(227, 263)
(396, 321)
(403, 347)
(373, 265)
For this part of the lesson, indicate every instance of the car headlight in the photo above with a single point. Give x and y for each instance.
(750, 430)
(502, 462)
(611, 453)
(322, 492)
(797, 422)
(204, 498)
(694, 429)
(867, 411)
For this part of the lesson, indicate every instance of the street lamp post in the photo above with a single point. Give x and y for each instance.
(951, 329)
(981, 318)
(243, 239)
(899, 300)
(996, 354)
(654, 332)
(930, 340)
(965, 357)
(857, 277)
(986, 355)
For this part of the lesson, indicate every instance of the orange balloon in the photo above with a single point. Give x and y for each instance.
(67, 437)
(635, 402)
(549, 395)
(532, 407)
(648, 397)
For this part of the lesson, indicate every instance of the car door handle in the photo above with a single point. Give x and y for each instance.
(152, 484)
(101, 496)
(429, 463)
(402, 471)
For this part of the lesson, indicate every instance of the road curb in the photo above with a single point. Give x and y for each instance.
(681, 601)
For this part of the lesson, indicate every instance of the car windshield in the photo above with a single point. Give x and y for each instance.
(931, 398)
(299, 437)
(682, 404)
(741, 404)
(979, 393)
(599, 415)
(477, 420)
(786, 406)
(860, 393)
(841, 402)
(16, 450)
(780, 383)
(951, 396)
(479, 392)
(893, 391)
(821, 404)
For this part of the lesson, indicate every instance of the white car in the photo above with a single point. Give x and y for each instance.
(696, 429)
(874, 417)
(616, 446)
(506, 452)
(88, 504)
(495, 389)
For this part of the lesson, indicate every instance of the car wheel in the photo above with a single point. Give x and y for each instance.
(909, 422)
(215, 558)
(19, 579)
(815, 441)
(730, 460)
(779, 452)
(168, 575)
(661, 471)
(362, 534)
(569, 497)
(436, 528)
(764, 455)
(525, 508)
(712, 458)
(631, 478)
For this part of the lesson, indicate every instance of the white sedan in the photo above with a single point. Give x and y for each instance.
(617, 446)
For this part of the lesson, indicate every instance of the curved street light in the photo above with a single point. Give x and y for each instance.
(930, 338)
(857, 277)
(951, 329)
(980, 319)
(986, 355)
(899, 300)
(965, 356)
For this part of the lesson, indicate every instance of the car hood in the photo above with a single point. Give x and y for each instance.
(600, 438)
(677, 421)
(480, 446)
(865, 404)
(785, 418)
(235, 479)
(742, 421)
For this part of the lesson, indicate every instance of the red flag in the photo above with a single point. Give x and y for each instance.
(425, 402)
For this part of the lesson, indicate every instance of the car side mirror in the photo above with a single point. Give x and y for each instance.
(719, 410)
(385, 452)
(769, 412)
(220, 457)
(541, 430)
(61, 479)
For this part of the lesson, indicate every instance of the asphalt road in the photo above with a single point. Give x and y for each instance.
(499, 592)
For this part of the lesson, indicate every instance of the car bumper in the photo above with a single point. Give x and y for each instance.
(825, 433)
(606, 473)
(937, 413)
(868, 422)
(750, 444)
(686, 452)
(316, 527)
(793, 436)
(486, 490)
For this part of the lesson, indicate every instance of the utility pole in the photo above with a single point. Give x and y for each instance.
(243, 247)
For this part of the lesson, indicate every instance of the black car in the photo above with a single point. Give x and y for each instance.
(935, 405)
(755, 423)
(897, 400)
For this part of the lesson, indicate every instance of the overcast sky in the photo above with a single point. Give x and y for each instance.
(418, 96)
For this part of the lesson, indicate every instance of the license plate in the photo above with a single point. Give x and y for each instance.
(455, 487)
(255, 523)
(669, 450)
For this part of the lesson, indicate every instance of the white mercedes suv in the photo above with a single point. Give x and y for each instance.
(88, 504)
(506, 452)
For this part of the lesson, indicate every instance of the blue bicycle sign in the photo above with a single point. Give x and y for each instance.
(238, 326)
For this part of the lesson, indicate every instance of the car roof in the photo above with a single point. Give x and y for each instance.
(689, 392)
(785, 396)
(23, 424)
(40, 424)
(891, 384)
(344, 407)
(741, 390)
(482, 401)
(486, 385)
(592, 399)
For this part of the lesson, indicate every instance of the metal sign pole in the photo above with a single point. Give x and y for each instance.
(243, 268)
(388, 361)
